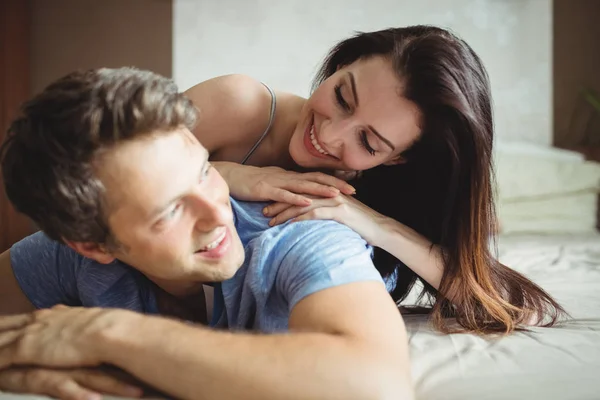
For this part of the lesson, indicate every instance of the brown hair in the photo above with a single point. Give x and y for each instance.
(48, 155)
(446, 189)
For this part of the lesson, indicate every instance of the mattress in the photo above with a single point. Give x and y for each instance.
(562, 362)
(559, 363)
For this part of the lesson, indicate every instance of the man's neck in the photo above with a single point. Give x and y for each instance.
(178, 289)
(188, 308)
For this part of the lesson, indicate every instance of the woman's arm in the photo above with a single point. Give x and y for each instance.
(408, 246)
(250, 183)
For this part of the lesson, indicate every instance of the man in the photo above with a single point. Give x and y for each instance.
(135, 217)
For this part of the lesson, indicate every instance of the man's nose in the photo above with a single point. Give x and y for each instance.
(211, 212)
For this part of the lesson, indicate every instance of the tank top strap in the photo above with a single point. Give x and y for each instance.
(271, 118)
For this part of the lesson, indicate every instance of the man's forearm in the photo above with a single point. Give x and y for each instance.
(193, 362)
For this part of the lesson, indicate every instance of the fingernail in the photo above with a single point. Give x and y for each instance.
(265, 210)
(93, 396)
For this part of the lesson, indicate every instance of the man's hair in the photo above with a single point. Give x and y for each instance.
(50, 149)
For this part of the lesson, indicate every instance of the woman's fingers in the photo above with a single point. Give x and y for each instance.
(319, 213)
(288, 214)
(273, 209)
(287, 197)
(331, 180)
(311, 188)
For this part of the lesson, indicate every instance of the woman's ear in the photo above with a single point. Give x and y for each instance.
(395, 161)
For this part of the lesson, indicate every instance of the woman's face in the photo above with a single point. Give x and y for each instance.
(356, 119)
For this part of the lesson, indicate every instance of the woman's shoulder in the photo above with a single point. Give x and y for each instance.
(231, 108)
(232, 92)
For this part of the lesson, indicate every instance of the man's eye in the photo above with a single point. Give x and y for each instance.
(173, 212)
(206, 171)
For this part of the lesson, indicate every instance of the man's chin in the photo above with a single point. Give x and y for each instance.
(227, 266)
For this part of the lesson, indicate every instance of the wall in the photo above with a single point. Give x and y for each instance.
(42, 40)
(14, 89)
(73, 34)
(283, 42)
(576, 64)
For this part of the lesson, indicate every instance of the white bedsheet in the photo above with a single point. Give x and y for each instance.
(561, 363)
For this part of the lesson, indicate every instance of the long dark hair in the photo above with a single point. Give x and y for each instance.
(446, 189)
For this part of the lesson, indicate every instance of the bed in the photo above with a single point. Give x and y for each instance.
(552, 193)
(561, 363)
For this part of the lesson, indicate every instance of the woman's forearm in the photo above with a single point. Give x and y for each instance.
(414, 250)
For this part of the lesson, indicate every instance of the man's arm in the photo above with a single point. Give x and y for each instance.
(12, 298)
(37, 272)
(347, 342)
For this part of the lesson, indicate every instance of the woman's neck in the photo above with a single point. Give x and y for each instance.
(274, 151)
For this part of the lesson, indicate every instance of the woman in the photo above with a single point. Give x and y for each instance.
(405, 115)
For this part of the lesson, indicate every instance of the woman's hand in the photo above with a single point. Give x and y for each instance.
(276, 184)
(67, 384)
(344, 209)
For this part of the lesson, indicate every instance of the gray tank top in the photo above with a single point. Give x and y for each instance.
(271, 118)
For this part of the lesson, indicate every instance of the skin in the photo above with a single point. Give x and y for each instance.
(368, 107)
(348, 342)
(231, 128)
(234, 112)
(165, 211)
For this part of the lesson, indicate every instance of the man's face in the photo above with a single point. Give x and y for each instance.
(170, 212)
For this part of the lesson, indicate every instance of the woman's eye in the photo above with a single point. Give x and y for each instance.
(340, 98)
(364, 142)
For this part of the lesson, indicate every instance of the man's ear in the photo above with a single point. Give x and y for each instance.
(395, 161)
(92, 250)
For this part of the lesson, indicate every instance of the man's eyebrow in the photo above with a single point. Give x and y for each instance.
(353, 86)
(381, 137)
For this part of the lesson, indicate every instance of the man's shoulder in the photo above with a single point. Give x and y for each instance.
(319, 238)
(39, 246)
(52, 273)
(310, 256)
(249, 219)
(38, 251)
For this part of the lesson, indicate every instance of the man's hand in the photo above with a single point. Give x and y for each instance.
(66, 384)
(57, 337)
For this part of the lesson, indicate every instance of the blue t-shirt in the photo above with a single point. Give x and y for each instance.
(282, 265)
